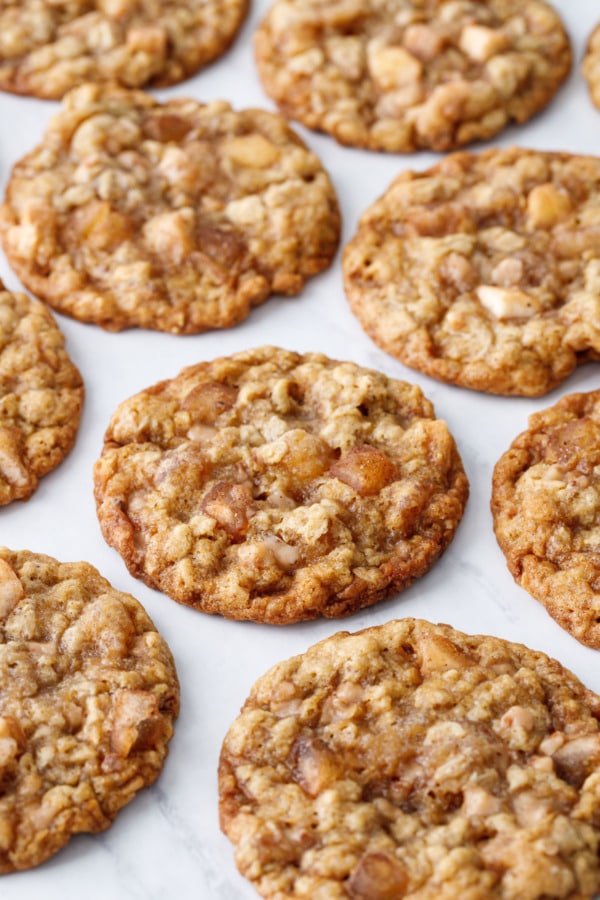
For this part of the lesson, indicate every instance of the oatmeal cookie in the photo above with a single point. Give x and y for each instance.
(277, 487)
(404, 75)
(546, 509)
(411, 760)
(47, 48)
(88, 696)
(176, 216)
(41, 395)
(484, 270)
(590, 65)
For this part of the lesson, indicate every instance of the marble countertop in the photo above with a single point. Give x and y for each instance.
(166, 842)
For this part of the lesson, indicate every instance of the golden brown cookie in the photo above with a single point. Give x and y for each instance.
(41, 395)
(410, 74)
(88, 696)
(176, 216)
(590, 65)
(412, 761)
(277, 487)
(49, 47)
(484, 270)
(546, 508)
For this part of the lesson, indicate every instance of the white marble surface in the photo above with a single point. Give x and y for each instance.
(167, 843)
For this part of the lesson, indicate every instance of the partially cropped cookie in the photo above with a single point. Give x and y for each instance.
(41, 395)
(47, 48)
(546, 508)
(484, 270)
(590, 65)
(277, 487)
(176, 216)
(413, 761)
(89, 693)
(411, 74)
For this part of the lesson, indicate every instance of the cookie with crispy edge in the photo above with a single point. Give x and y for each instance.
(41, 395)
(590, 65)
(402, 76)
(277, 487)
(484, 270)
(48, 48)
(88, 696)
(412, 761)
(546, 506)
(177, 216)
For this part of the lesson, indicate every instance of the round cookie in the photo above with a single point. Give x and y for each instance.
(412, 761)
(484, 270)
(546, 508)
(406, 75)
(176, 216)
(88, 696)
(590, 65)
(41, 395)
(278, 487)
(47, 48)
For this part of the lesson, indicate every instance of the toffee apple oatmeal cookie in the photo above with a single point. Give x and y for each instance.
(413, 761)
(176, 216)
(88, 696)
(41, 395)
(402, 75)
(590, 65)
(484, 270)
(546, 508)
(46, 48)
(277, 487)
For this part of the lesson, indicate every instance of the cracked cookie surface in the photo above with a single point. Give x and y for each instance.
(47, 48)
(41, 395)
(88, 696)
(176, 216)
(546, 509)
(277, 487)
(411, 760)
(401, 75)
(484, 270)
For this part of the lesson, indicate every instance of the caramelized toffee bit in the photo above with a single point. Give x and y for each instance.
(378, 877)
(278, 487)
(137, 723)
(377, 788)
(365, 469)
(231, 505)
(206, 402)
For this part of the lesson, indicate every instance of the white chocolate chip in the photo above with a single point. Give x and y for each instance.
(480, 43)
(507, 303)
